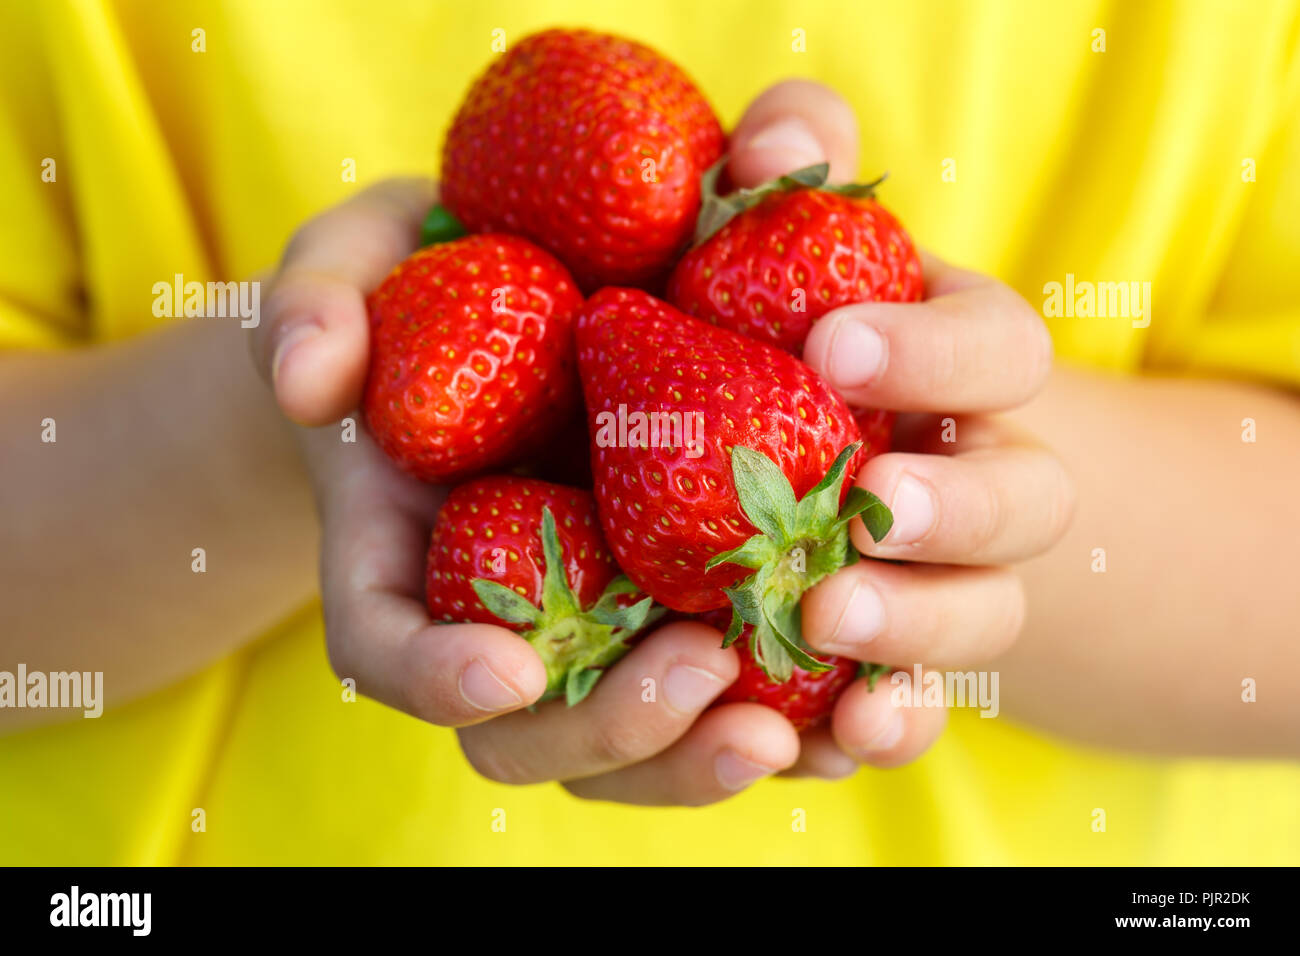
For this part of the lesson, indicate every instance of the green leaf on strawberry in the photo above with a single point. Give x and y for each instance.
(717, 210)
(873, 673)
(798, 544)
(576, 644)
(440, 226)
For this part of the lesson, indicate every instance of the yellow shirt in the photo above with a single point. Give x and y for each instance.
(1021, 141)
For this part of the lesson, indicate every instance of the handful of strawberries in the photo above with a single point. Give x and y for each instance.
(721, 466)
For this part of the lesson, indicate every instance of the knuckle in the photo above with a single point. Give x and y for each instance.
(614, 744)
(988, 522)
(491, 761)
(311, 234)
(1007, 301)
(282, 301)
(925, 631)
(1064, 501)
(1038, 363)
(943, 360)
(1027, 339)
(276, 304)
(303, 238)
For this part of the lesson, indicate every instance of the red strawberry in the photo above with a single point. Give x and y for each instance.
(768, 262)
(806, 699)
(528, 555)
(471, 363)
(877, 428)
(588, 144)
(701, 442)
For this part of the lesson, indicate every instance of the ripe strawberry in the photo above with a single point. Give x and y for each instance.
(769, 262)
(471, 362)
(806, 699)
(877, 429)
(681, 506)
(528, 555)
(590, 145)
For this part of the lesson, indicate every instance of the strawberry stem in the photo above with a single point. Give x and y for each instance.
(797, 545)
(717, 210)
(575, 644)
(873, 673)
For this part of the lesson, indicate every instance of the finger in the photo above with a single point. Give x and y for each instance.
(901, 613)
(991, 505)
(645, 703)
(312, 342)
(791, 125)
(929, 434)
(728, 749)
(376, 534)
(868, 727)
(973, 345)
(820, 756)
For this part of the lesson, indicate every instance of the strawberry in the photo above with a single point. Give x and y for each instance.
(806, 699)
(528, 555)
(590, 145)
(877, 429)
(702, 442)
(769, 262)
(471, 362)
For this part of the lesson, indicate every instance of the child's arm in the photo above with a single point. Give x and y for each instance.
(1202, 583)
(163, 444)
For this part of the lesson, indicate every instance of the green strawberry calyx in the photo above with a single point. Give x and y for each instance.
(873, 673)
(716, 211)
(576, 644)
(798, 544)
(440, 225)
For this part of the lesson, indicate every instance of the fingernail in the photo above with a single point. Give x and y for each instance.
(793, 139)
(861, 620)
(888, 738)
(688, 689)
(734, 772)
(913, 508)
(291, 336)
(484, 690)
(856, 354)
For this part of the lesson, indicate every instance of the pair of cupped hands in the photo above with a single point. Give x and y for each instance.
(963, 511)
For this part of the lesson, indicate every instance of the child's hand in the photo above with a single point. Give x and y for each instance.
(966, 499)
(312, 346)
(970, 494)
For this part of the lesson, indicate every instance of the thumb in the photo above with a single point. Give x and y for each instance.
(794, 124)
(312, 344)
